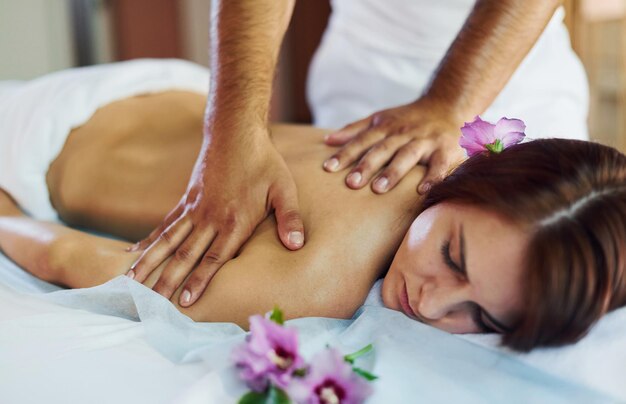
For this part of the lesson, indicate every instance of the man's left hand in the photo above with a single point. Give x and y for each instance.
(395, 140)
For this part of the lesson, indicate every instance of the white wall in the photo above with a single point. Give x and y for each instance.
(36, 35)
(35, 38)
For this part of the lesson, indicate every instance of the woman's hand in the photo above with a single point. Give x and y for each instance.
(235, 184)
(397, 139)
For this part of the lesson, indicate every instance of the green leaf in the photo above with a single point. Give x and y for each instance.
(351, 357)
(365, 374)
(273, 395)
(276, 316)
(278, 396)
(253, 397)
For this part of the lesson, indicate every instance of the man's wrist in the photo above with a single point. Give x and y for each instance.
(444, 108)
(224, 133)
(235, 123)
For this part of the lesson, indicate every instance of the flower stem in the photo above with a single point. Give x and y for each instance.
(351, 357)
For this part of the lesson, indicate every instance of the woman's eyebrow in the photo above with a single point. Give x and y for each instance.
(501, 327)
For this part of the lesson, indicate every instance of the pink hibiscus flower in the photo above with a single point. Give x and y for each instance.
(480, 136)
(330, 380)
(270, 354)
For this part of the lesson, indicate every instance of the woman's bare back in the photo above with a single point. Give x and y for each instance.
(125, 169)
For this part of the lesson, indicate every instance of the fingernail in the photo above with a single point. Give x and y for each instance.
(132, 247)
(331, 164)
(381, 184)
(185, 297)
(131, 274)
(354, 178)
(296, 238)
(327, 137)
(426, 187)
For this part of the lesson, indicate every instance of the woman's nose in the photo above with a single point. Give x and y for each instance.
(436, 301)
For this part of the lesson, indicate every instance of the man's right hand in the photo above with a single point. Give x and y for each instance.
(235, 184)
(239, 176)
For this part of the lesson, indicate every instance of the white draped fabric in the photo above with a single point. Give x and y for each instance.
(380, 54)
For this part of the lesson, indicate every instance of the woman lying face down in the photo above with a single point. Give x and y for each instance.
(529, 243)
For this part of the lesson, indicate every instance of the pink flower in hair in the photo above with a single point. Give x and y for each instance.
(480, 136)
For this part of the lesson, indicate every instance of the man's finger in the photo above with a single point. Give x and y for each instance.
(375, 158)
(353, 150)
(160, 249)
(347, 133)
(284, 198)
(405, 159)
(184, 260)
(438, 166)
(143, 244)
(221, 251)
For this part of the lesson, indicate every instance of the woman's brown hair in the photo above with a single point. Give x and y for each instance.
(571, 196)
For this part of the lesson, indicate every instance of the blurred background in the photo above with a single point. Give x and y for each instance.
(40, 36)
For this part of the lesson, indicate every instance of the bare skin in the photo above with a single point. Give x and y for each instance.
(461, 269)
(246, 37)
(125, 168)
(205, 223)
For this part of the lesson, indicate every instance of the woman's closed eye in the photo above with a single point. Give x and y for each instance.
(445, 252)
(475, 310)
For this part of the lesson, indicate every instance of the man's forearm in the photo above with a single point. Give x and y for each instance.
(245, 43)
(496, 37)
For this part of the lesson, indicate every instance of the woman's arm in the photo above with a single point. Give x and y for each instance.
(28, 243)
(55, 253)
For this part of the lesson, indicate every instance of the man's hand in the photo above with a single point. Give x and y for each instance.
(496, 37)
(239, 176)
(233, 187)
(395, 140)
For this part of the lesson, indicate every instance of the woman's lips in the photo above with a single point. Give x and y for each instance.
(404, 303)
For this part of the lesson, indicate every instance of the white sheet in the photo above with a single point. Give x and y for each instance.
(86, 345)
(53, 354)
